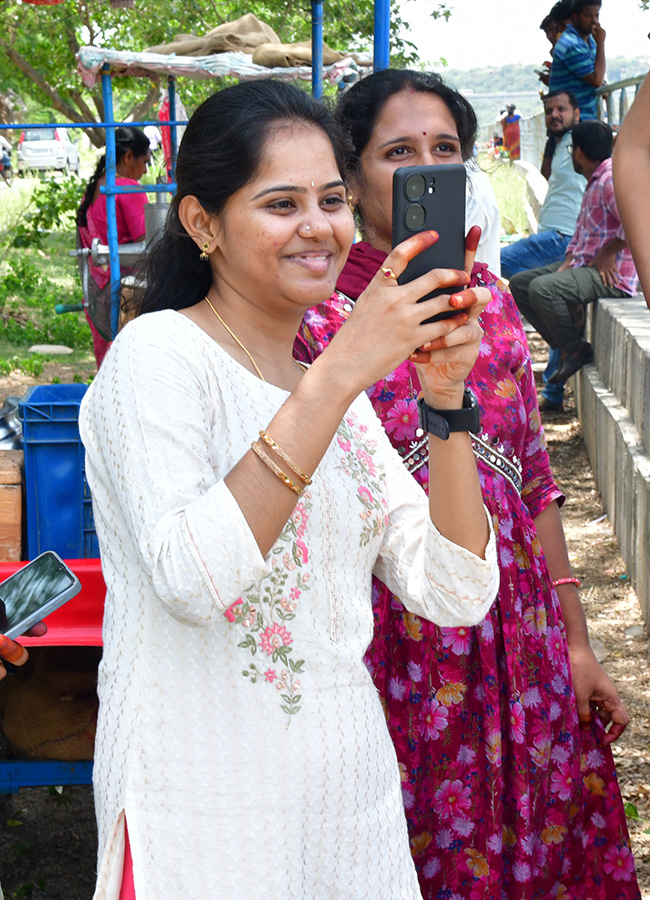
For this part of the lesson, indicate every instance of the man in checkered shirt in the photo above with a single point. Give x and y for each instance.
(598, 262)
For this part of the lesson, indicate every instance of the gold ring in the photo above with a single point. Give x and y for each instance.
(388, 272)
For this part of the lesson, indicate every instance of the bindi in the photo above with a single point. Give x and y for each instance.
(424, 133)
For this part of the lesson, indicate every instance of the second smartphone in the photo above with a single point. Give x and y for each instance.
(431, 198)
(34, 591)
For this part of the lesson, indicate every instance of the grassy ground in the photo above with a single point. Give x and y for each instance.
(509, 187)
(34, 277)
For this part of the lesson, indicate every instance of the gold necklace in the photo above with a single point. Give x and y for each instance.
(236, 339)
(246, 351)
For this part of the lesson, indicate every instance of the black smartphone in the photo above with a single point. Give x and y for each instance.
(34, 591)
(431, 198)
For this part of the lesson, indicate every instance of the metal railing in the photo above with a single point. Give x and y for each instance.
(609, 109)
(614, 100)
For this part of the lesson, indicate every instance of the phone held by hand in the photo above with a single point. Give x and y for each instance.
(34, 591)
(431, 198)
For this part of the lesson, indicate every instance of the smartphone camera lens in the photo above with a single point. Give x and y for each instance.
(415, 187)
(414, 217)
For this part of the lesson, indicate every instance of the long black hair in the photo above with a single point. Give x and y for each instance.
(222, 149)
(359, 109)
(126, 139)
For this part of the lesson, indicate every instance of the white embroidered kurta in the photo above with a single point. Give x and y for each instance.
(239, 731)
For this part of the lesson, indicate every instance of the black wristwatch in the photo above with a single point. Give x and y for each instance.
(441, 422)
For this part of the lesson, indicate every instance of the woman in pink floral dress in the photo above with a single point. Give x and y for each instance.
(507, 793)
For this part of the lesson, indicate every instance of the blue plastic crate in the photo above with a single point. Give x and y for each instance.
(58, 503)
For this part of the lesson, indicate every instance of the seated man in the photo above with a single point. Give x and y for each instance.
(557, 219)
(598, 262)
(559, 212)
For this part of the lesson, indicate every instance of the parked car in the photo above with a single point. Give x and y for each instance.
(47, 148)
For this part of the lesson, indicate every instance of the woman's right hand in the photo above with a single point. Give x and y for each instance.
(385, 327)
(13, 652)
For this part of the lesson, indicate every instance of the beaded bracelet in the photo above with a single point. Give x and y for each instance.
(271, 443)
(560, 581)
(266, 459)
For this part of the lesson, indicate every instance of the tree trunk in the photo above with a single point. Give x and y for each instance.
(57, 101)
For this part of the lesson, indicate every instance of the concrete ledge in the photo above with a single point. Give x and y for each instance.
(536, 189)
(613, 399)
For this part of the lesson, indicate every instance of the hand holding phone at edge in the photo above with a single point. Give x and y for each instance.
(13, 652)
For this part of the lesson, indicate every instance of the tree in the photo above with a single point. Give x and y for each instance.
(38, 44)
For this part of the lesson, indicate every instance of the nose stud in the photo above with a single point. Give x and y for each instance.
(307, 227)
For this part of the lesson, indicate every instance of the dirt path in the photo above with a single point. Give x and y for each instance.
(47, 840)
(616, 628)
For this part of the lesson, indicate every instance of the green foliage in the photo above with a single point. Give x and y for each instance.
(61, 798)
(631, 811)
(67, 330)
(30, 889)
(23, 286)
(28, 365)
(22, 278)
(38, 45)
(53, 205)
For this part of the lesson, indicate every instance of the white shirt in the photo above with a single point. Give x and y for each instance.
(239, 729)
(481, 209)
(566, 187)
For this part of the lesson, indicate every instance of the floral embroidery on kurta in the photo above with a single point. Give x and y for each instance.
(266, 611)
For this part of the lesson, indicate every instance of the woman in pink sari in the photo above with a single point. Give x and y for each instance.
(508, 779)
(133, 157)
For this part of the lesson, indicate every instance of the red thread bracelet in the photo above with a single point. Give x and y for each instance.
(559, 581)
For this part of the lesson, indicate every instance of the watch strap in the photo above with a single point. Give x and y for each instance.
(441, 422)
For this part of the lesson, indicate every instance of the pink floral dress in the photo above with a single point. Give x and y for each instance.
(505, 796)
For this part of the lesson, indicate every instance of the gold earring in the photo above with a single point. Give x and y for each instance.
(203, 255)
(351, 202)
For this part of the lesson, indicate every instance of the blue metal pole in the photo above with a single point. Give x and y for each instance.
(381, 55)
(317, 47)
(171, 93)
(111, 217)
(19, 126)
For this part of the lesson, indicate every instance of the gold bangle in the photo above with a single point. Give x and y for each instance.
(255, 447)
(271, 443)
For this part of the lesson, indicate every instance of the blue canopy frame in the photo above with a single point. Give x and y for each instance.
(381, 59)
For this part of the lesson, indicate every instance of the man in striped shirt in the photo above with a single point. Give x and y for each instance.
(579, 57)
(598, 262)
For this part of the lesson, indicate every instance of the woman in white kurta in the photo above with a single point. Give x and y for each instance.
(240, 736)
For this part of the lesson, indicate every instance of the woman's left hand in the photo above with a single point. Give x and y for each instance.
(444, 364)
(595, 691)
